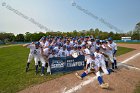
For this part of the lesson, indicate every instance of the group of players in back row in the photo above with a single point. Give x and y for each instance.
(99, 54)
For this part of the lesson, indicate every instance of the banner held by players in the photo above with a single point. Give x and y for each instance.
(66, 64)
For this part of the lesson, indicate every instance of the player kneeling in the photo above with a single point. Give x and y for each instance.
(95, 66)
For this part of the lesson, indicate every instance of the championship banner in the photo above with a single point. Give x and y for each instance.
(66, 64)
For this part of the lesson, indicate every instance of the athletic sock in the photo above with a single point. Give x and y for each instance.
(27, 65)
(83, 75)
(109, 71)
(115, 63)
(42, 71)
(106, 63)
(39, 63)
(100, 80)
(36, 69)
(112, 65)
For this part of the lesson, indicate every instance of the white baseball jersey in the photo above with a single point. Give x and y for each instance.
(46, 51)
(46, 43)
(113, 46)
(35, 51)
(63, 53)
(100, 57)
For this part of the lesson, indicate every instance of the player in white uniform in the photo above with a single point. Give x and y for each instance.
(114, 50)
(103, 50)
(80, 51)
(97, 43)
(100, 57)
(93, 44)
(30, 56)
(53, 54)
(94, 67)
(74, 51)
(86, 53)
(63, 52)
(37, 53)
(107, 50)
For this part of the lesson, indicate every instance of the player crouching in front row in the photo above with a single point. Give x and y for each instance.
(95, 66)
(36, 52)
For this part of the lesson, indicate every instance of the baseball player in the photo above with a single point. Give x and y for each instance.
(114, 50)
(94, 66)
(30, 56)
(107, 49)
(37, 53)
(63, 52)
(86, 52)
(100, 56)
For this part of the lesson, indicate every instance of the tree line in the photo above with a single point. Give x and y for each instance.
(29, 37)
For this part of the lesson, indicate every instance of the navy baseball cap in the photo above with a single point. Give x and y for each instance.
(92, 54)
(104, 41)
(97, 48)
(37, 43)
(110, 39)
(92, 39)
(50, 47)
(97, 41)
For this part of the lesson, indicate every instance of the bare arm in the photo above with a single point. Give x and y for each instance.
(25, 45)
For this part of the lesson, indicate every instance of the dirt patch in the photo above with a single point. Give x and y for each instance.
(122, 81)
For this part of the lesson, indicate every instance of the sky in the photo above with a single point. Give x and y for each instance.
(60, 15)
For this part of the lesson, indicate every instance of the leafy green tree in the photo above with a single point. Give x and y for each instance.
(20, 38)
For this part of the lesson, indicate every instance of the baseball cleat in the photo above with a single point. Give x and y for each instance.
(104, 86)
(78, 76)
(27, 69)
(107, 84)
(42, 74)
(116, 67)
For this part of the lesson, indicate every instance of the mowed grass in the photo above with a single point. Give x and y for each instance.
(137, 90)
(123, 50)
(13, 77)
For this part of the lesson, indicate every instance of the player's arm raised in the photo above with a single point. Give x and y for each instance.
(25, 45)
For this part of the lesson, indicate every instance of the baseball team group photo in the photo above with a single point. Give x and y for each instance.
(69, 46)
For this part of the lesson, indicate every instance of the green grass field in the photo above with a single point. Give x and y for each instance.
(13, 77)
(137, 90)
(123, 50)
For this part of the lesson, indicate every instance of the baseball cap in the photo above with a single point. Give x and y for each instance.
(37, 43)
(97, 41)
(110, 39)
(97, 48)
